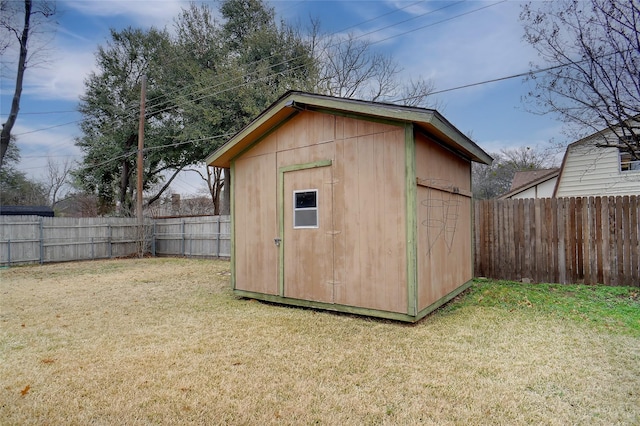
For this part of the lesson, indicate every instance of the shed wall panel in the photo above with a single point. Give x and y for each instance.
(266, 146)
(256, 224)
(370, 218)
(308, 154)
(444, 244)
(347, 127)
(440, 165)
(305, 129)
(444, 222)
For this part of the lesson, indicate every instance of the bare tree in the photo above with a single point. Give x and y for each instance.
(494, 180)
(349, 67)
(215, 185)
(215, 180)
(590, 51)
(23, 31)
(57, 180)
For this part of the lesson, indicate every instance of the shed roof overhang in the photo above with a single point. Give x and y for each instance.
(428, 120)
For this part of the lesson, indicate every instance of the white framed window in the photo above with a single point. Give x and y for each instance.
(628, 163)
(305, 208)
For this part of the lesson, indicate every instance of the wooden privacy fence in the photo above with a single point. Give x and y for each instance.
(31, 239)
(208, 236)
(564, 240)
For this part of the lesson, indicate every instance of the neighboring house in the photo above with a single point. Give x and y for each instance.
(533, 184)
(589, 170)
(353, 206)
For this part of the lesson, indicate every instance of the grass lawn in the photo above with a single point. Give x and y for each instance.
(164, 341)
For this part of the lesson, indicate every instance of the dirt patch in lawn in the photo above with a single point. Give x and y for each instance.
(164, 341)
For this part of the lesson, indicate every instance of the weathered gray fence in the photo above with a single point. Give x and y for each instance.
(32, 239)
(208, 236)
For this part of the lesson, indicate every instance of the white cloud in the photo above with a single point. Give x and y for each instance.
(144, 12)
(63, 78)
(480, 46)
(36, 147)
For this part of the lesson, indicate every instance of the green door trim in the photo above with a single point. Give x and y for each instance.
(281, 172)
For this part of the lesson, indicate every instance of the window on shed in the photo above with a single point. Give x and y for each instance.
(628, 163)
(305, 208)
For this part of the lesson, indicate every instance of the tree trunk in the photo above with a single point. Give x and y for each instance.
(124, 186)
(226, 193)
(5, 135)
(164, 188)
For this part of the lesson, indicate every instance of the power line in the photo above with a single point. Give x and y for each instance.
(509, 77)
(48, 112)
(287, 61)
(413, 18)
(442, 21)
(47, 128)
(244, 76)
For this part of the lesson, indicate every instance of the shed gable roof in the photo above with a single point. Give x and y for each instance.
(289, 104)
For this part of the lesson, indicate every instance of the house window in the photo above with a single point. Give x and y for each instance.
(305, 208)
(628, 163)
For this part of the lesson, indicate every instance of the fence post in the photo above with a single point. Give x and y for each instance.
(41, 242)
(9, 251)
(218, 237)
(92, 252)
(182, 242)
(109, 237)
(153, 240)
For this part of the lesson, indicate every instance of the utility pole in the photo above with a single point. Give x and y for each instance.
(143, 94)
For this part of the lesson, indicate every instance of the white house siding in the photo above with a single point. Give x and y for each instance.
(542, 190)
(527, 193)
(545, 189)
(592, 171)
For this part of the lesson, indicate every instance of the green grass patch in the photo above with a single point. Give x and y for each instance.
(616, 309)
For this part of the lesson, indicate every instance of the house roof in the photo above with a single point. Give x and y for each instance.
(531, 177)
(524, 180)
(292, 102)
(26, 211)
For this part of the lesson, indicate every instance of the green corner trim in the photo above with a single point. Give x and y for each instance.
(411, 219)
(280, 201)
(232, 209)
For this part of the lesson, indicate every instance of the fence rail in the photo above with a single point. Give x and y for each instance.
(565, 240)
(32, 239)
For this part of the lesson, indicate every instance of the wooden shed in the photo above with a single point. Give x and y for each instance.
(351, 206)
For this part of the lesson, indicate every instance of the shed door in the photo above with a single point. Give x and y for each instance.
(307, 236)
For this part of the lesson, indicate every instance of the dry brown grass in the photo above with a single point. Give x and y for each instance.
(163, 341)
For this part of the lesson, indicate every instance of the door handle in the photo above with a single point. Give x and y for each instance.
(277, 241)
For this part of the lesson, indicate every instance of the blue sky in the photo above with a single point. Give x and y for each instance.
(452, 43)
